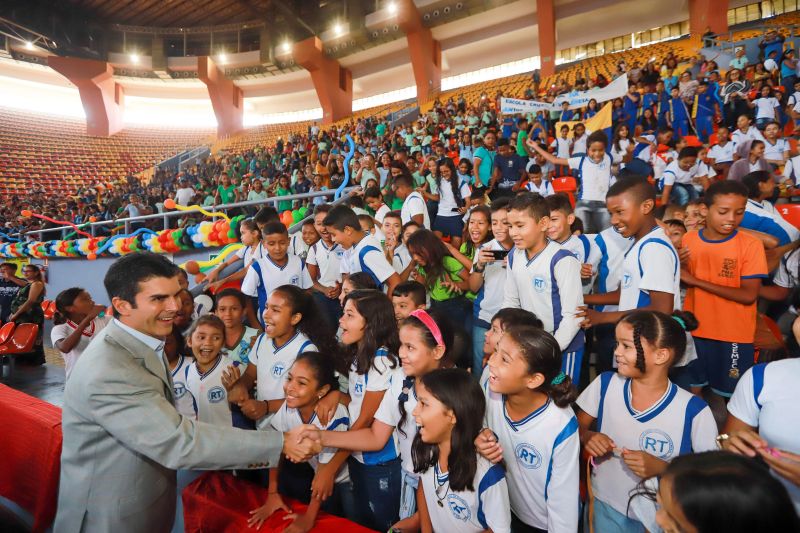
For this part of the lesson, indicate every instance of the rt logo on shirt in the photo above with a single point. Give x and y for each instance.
(539, 284)
(178, 390)
(295, 280)
(458, 507)
(656, 442)
(528, 456)
(277, 369)
(626, 280)
(358, 389)
(216, 394)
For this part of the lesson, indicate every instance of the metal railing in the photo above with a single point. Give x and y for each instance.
(167, 215)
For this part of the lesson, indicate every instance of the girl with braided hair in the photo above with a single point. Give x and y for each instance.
(633, 422)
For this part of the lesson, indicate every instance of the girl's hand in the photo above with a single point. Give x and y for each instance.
(326, 407)
(485, 257)
(590, 316)
(259, 516)
(642, 463)
(96, 310)
(586, 270)
(230, 376)
(211, 277)
(302, 523)
(785, 464)
(598, 444)
(238, 395)
(254, 409)
(334, 291)
(684, 255)
(687, 278)
(486, 445)
(451, 286)
(745, 442)
(322, 485)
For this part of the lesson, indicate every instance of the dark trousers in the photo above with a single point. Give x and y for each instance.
(377, 493)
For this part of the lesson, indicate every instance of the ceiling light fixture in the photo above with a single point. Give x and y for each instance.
(135, 59)
(29, 45)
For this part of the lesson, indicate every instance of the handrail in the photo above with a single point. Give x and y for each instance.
(175, 213)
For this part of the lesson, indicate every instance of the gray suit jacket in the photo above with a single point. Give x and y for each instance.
(123, 441)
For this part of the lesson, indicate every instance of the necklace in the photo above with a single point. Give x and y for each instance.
(438, 486)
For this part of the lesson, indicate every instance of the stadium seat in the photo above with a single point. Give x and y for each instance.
(566, 185)
(21, 341)
(6, 330)
(791, 213)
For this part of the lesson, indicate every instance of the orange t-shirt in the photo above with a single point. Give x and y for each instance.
(726, 262)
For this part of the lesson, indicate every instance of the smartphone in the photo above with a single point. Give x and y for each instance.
(499, 255)
(454, 210)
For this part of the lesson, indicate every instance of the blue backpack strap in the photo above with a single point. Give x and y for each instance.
(261, 291)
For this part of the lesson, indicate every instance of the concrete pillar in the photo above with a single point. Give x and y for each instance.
(708, 14)
(102, 98)
(226, 98)
(425, 51)
(546, 24)
(333, 82)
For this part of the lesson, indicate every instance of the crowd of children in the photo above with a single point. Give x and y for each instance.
(465, 340)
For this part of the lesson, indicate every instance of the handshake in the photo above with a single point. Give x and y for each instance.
(301, 443)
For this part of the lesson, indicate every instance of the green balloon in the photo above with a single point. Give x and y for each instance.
(303, 211)
(296, 216)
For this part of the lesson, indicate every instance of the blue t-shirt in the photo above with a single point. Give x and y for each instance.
(511, 169)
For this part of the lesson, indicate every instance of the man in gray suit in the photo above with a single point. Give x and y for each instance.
(123, 439)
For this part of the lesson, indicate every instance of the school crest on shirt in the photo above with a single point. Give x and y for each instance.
(728, 269)
(295, 281)
(178, 390)
(539, 284)
(458, 507)
(626, 279)
(277, 369)
(216, 394)
(656, 442)
(528, 456)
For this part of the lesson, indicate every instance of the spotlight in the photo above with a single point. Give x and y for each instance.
(135, 59)
(286, 47)
(392, 7)
(222, 58)
(337, 29)
(29, 45)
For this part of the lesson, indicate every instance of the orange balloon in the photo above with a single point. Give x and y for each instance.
(91, 257)
(192, 267)
(26, 213)
(169, 203)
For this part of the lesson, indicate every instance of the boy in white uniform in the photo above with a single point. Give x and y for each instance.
(278, 268)
(364, 252)
(544, 279)
(581, 246)
(414, 207)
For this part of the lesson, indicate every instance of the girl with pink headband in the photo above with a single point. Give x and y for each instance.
(424, 342)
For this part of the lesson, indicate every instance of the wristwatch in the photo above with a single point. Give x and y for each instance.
(721, 438)
(479, 269)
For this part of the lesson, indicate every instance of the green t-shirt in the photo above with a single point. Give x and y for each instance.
(227, 196)
(284, 205)
(452, 267)
(521, 137)
(380, 129)
(463, 249)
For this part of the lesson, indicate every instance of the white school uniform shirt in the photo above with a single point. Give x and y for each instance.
(264, 276)
(677, 424)
(791, 170)
(209, 394)
(722, 154)
(288, 418)
(645, 154)
(272, 362)
(241, 350)
(612, 246)
(595, 178)
(579, 143)
(491, 294)
(617, 155)
(183, 400)
(367, 256)
(380, 214)
(675, 174)
(414, 205)
(562, 146)
(247, 254)
(586, 251)
(401, 258)
(766, 397)
(389, 413)
(752, 134)
(544, 189)
(762, 216)
(328, 261)
(549, 286)
(378, 378)
(787, 275)
(651, 264)
(541, 456)
(777, 151)
(447, 201)
(468, 511)
(297, 246)
(765, 107)
(62, 331)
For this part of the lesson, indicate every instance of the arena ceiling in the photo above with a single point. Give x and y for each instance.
(163, 13)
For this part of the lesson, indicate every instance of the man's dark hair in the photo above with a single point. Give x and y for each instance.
(372, 192)
(274, 227)
(688, 151)
(636, 185)
(403, 179)
(9, 265)
(747, 188)
(125, 275)
(341, 217)
(266, 215)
